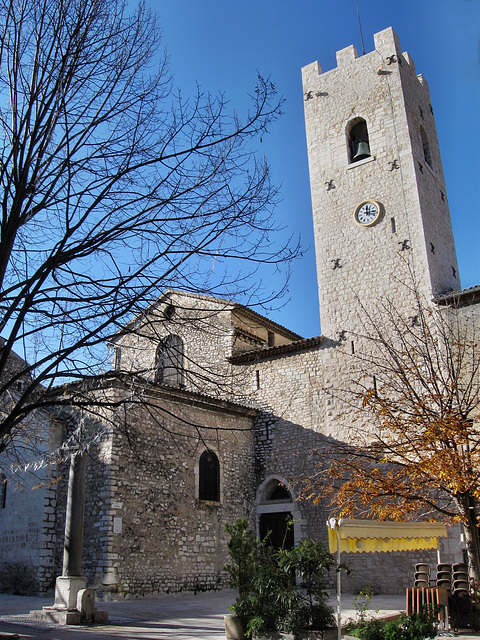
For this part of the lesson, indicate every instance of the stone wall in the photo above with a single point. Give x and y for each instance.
(206, 331)
(211, 330)
(21, 519)
(290, 435)
(159, 536)
(28, 520)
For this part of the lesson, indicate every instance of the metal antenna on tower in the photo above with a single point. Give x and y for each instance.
(360, 27)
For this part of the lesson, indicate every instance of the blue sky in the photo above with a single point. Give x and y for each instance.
(221, 44)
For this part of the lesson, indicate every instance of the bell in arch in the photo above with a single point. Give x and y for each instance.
(363, 151)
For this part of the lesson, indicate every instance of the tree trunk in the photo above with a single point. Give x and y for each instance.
(468, 510)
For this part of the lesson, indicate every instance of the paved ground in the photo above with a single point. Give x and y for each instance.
(174, 617)
(167, 617)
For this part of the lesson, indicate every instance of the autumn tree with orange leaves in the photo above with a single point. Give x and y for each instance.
(417, 454)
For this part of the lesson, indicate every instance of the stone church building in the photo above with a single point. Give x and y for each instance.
(229, 408)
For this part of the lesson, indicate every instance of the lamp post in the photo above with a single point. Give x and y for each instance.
(333, 524)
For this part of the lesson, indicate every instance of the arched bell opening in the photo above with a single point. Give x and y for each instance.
(358, 143)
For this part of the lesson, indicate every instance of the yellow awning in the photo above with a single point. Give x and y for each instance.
(366, 536)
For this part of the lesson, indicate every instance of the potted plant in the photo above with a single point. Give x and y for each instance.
(242, 571)
(308, 562)
(281, 593)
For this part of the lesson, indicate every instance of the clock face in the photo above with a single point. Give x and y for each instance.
(367, 213)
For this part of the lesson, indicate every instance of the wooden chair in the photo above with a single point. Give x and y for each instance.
(422, 598)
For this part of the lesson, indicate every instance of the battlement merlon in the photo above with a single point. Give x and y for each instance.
(387, 44)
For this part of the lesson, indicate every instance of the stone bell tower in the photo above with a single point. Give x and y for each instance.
(380, 210)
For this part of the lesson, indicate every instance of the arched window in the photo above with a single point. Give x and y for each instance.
(279, 492)
(169, 367)
(426, 147)
(209, 477)
(3, 490)
(357, 140)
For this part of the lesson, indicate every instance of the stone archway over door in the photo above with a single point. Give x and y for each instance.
(275, 507)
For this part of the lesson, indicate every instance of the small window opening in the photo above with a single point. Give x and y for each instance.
(209, 477)
(394, 226)
(358, 141)
(352, 344)
(169, 311)
(271, 339)
(426, 147)
(169, 366)
(3, 491)
(117, 358)
(257, 376)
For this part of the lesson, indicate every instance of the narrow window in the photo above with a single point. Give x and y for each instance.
(169, 365)
(426, 147)
(118, 358)
(209, 477)
(394, 226)
(357, 140)
(271, 339)
(257, 372)
(3, 490)
(352, 344)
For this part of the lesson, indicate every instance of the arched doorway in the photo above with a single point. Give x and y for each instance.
(276, 507)
(274, 527)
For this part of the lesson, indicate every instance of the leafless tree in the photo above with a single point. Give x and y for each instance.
(114, 187)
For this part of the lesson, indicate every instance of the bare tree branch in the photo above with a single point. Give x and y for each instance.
(115, 187)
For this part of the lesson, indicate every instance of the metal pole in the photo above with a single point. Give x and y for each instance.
(339, 589)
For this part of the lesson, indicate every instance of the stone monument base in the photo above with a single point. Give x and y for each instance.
(74, 604)
(50, 614)
(66, 591)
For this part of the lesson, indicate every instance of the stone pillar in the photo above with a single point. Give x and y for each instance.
(74, 603)
(72, 550)
(71, 581)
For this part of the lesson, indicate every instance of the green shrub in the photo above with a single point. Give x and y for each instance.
(266, 580)
(416, 627)
(18, 578)
(242, 570)
(361, 602)
(368, 629)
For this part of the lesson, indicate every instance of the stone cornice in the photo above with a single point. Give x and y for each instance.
(271, 352)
